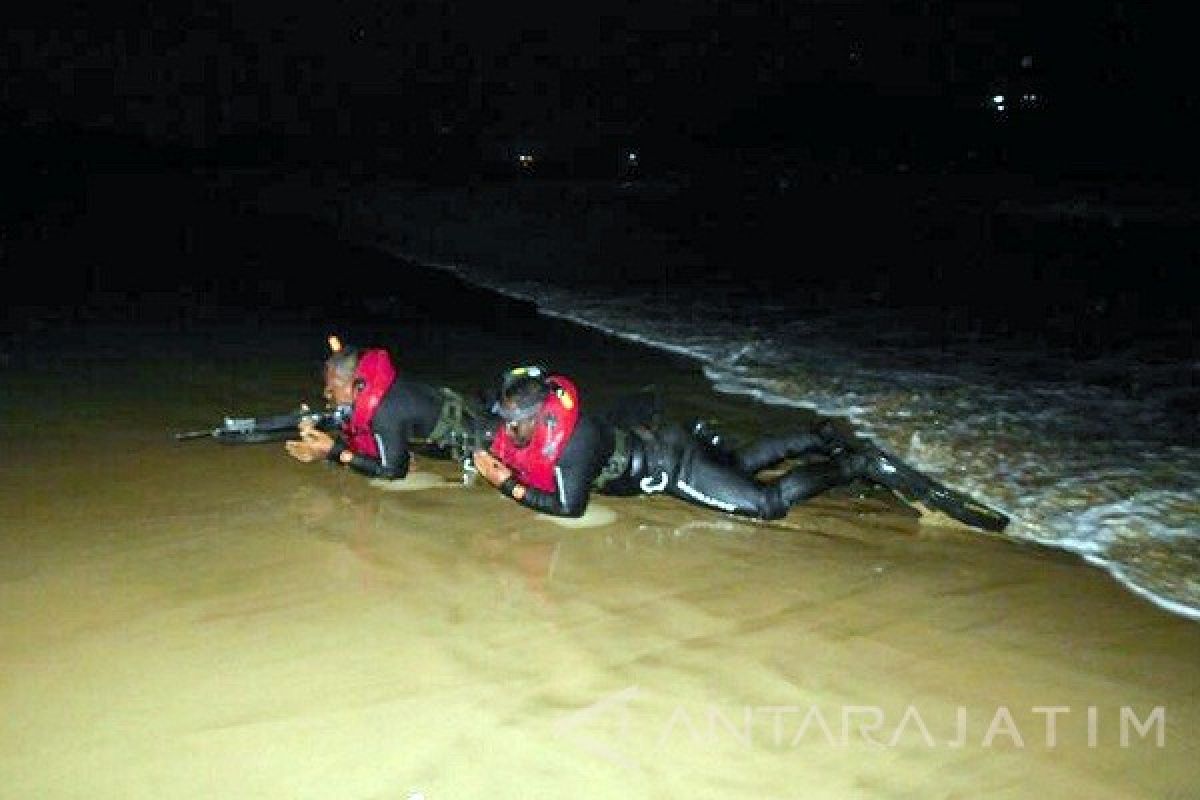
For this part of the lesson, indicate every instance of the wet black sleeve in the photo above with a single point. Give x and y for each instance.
(580, 463)
(393, 460)
(391, 427)
(391, 440)
(391, 465)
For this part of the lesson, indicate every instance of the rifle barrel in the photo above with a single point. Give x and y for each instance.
(246, 430)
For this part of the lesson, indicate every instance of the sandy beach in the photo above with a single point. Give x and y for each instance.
(965, 234)
(196, 620)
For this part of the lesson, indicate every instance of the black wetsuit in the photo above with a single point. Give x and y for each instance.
(408, 412)
(669, 460)
(581, 461)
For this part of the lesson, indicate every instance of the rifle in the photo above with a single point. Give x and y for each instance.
(275, 428)
(463, 443)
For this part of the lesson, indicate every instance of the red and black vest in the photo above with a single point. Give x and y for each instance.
(533, 465)
(373, 376)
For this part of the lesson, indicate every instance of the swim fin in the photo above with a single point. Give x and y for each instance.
(864, 459)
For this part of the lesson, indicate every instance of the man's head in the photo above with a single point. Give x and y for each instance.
(521, 397)
(339, 377)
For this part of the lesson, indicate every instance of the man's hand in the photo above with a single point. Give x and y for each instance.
(313, 445)
(490, 467)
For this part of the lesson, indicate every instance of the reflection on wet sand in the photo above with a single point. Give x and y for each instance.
(216, 622)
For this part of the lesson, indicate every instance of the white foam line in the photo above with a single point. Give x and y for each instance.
(1085, 550)
(682, 350)
(1118, 573)
(459, 272)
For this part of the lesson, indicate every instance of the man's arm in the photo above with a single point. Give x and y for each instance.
(391, 442)
(577, 467)
(393, 461)
(570, 498)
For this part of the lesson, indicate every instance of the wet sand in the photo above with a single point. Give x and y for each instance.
(195, 620)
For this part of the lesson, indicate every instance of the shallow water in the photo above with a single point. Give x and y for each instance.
(195, 620)
(191, 620)
(1084, 436)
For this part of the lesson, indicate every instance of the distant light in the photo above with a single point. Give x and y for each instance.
(633, 156)
(998, 99)
(999, 108)
(1026, 62)
(525, 159)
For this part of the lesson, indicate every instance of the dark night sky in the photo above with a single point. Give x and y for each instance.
(391, 73)
(445, 90)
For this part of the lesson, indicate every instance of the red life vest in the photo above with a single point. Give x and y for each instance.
(373, 376)
(533, 465)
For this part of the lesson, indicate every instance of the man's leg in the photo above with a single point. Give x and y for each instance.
(701, 480)
(774, 449)
(705, 482)
(809, 480)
